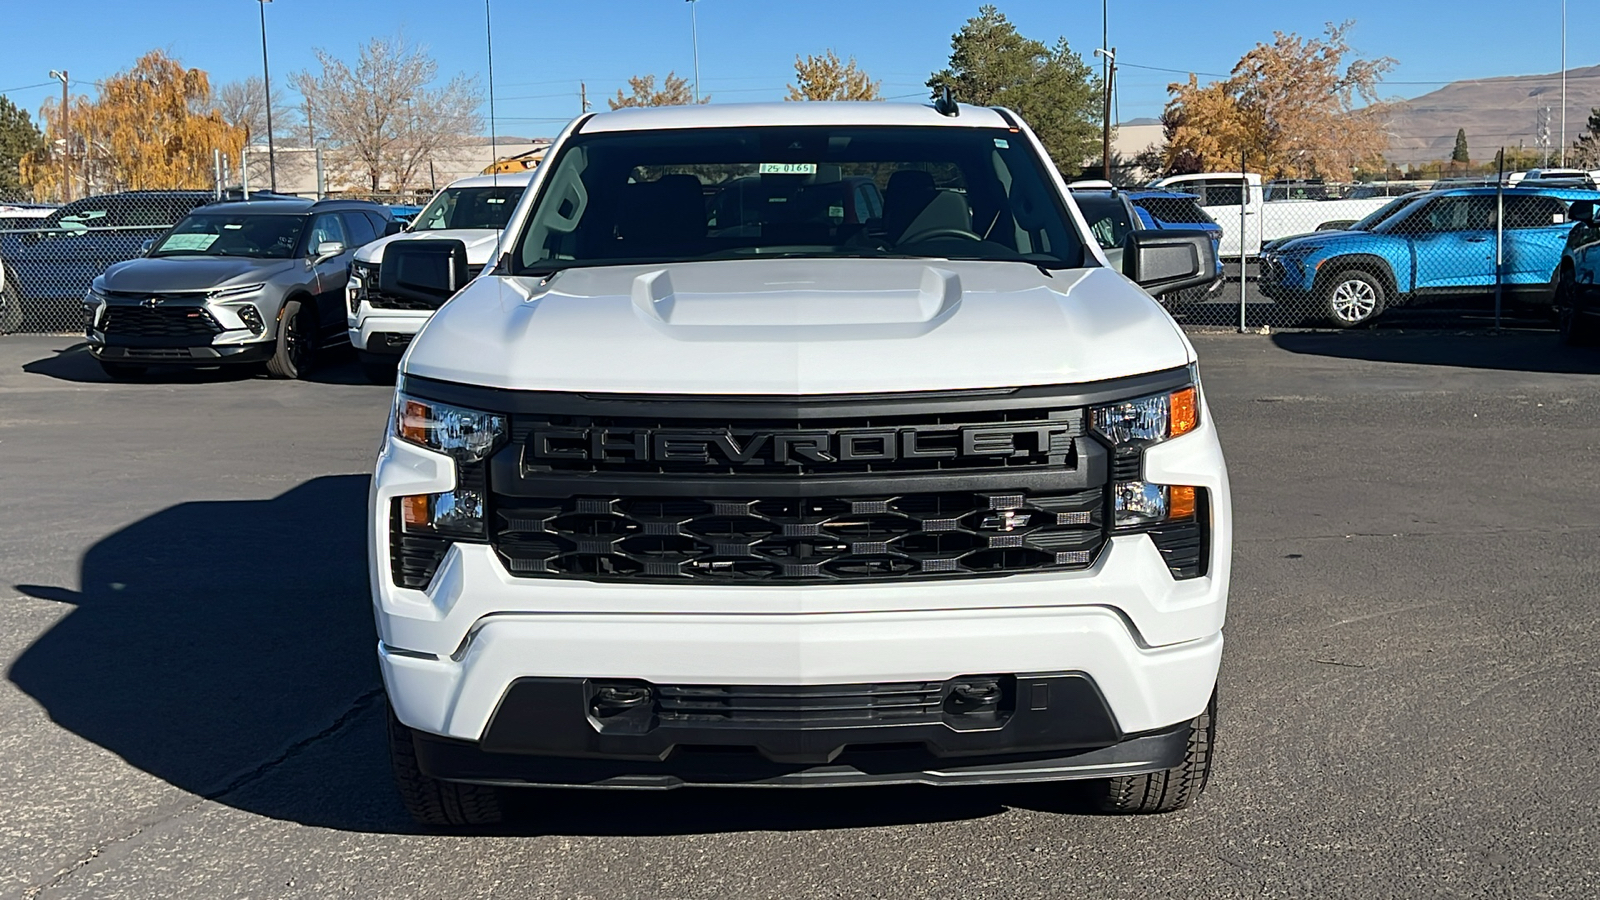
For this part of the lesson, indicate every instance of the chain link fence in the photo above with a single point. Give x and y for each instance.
(1306, 254)
(50, 253)
(1294, 254)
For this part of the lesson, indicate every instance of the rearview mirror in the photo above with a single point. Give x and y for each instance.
(1582, 211)
(1163, 261)
(429, 271)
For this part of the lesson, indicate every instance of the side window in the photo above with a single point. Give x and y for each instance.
(325, 227)
(1534, 212)
(359, 228)
(379, 223)
(1222, 193)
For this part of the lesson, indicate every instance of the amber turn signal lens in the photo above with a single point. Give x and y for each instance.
(414, 511)
(414, 422)
(1185, 412)
(1181, 503)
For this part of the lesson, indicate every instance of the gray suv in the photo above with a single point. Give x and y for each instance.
(253, 282)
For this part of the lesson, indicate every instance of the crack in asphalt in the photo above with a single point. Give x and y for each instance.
(357, 706)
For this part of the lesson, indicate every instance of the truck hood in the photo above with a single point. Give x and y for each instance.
(797, 327)
(1321, 239)
(172, 274)
(480, 243)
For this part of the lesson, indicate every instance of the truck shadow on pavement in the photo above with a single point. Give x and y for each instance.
(1515, 351)
(336, 365)
(226, 647)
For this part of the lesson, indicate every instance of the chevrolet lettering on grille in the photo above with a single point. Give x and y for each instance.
(799, 447)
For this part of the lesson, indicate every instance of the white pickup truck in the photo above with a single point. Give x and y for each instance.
(1262, 218)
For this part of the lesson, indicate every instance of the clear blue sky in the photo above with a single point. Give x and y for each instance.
(747, 47)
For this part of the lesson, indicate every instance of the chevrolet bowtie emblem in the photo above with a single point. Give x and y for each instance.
(151, 303)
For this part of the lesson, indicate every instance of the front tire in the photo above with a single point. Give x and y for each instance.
(1575, 328)
(431, 801)
(1353, 298)
(1172, 789)
(296, 353)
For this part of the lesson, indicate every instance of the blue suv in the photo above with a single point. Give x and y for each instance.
(1436, 243)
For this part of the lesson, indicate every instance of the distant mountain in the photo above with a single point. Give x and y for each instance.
(1496, 112)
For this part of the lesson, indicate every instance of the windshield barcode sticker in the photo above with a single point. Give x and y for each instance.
(788, 169)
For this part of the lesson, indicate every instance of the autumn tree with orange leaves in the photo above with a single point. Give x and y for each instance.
(151, 126)
(1293, 108)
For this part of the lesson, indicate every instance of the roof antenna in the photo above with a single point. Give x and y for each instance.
(945, 105)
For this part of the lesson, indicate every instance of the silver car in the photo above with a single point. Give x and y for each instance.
(255, 282)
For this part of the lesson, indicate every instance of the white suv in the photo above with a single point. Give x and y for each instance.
(472, 210)
(707, 484)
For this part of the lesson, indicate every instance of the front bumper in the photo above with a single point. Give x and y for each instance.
(452, 655)
(384, 330)
(207, 355)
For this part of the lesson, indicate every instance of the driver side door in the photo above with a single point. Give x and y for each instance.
(1454, 243)
(329, 275)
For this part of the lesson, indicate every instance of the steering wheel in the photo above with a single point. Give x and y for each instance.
(931, 233)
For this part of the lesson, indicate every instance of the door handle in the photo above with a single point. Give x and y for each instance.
(1476, 240)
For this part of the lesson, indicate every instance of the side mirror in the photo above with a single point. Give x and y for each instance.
(428, 271)
(1582, 211)
(393, 226)
(147, 246)
(1165, 261)
(328, 250)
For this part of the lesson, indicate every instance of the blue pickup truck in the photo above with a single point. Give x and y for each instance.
(1439, 242)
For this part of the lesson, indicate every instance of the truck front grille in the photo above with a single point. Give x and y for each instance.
(797, 540)
(377, 299)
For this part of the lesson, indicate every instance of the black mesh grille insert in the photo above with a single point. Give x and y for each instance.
(837, 705)
(791, 540)
(162, 321)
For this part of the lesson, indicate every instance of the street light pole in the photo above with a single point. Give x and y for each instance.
(266, 85)
(694, 31)
(66, 138)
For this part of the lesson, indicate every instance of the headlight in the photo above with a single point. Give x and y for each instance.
(235, 293)
(1129, 427)
(466, 434)
(1149, 420)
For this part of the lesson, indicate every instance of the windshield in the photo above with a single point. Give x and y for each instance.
(1374, 219)
(469, 207)
(221, 234)
(848, 191)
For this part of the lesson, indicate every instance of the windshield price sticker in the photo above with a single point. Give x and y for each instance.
(788, 169)
(189, 242)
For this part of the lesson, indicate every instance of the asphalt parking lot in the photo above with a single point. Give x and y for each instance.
(1409, 696)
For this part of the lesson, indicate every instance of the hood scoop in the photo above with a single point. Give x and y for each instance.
(896, 298)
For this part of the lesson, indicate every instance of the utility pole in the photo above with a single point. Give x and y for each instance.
(1105, 135)
(583, 97)
(1563, 82)
(266, 85)
(66, 138)
(694, 31)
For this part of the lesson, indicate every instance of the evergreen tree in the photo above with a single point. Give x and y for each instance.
(1050, 87)
(1585, 151)
(1460, 154)
(19, 138)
